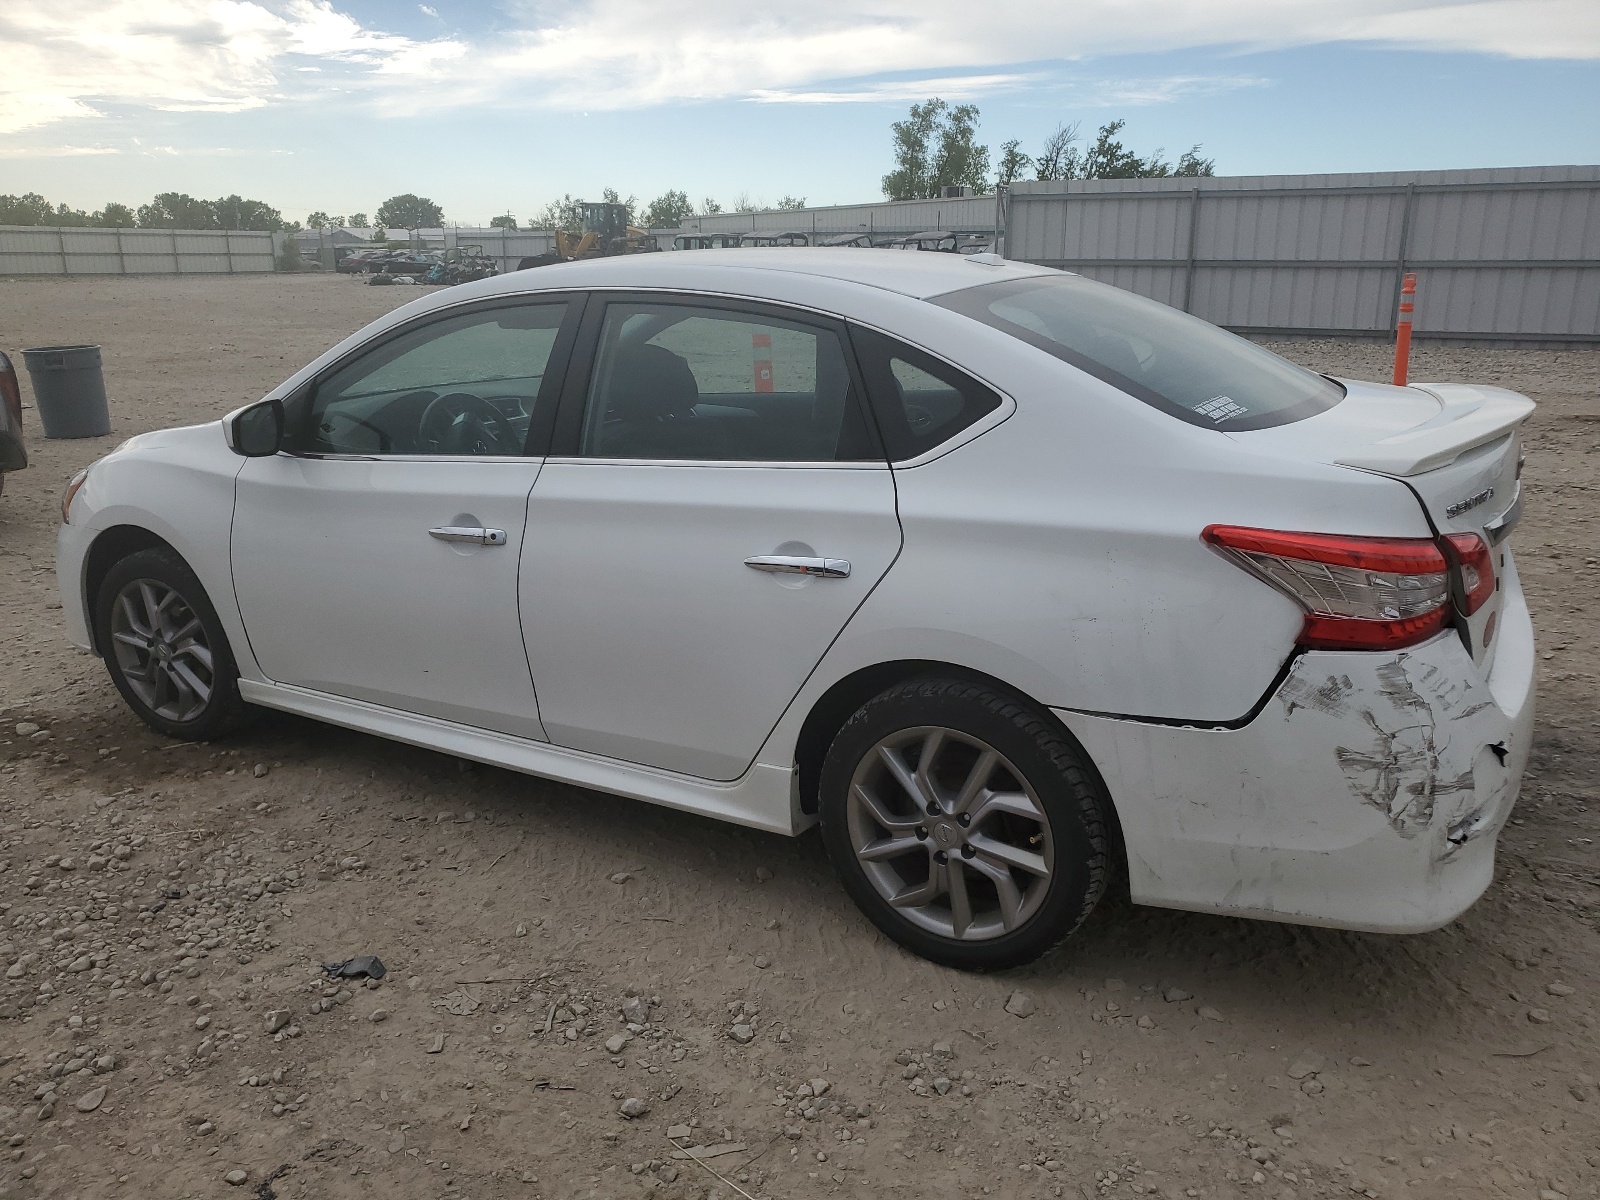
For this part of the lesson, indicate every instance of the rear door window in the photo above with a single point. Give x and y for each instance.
(919, 401)
(680, 381)
(1173, 361)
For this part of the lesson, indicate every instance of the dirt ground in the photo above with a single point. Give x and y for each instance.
(164, 910)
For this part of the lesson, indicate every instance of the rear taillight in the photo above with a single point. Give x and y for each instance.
(1470, 555)
(10, 393)
(1358, 593)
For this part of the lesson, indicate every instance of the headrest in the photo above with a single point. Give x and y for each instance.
(649, 382)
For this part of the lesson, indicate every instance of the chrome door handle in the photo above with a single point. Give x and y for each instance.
(475, 534)
(789, 564)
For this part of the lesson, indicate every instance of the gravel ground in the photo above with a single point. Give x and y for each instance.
(579, 987)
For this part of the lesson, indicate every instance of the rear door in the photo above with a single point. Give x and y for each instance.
(714, 510)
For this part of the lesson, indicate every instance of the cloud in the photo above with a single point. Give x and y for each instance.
(70, 60)
(73, 59)
(950, 87)
(55, 151)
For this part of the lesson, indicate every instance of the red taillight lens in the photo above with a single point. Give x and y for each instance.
(10, 393)
(1471, 556)
(1358, 593)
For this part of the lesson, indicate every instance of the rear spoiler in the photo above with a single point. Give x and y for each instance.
(1471, 416)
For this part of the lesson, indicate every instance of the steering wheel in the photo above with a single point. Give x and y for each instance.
(461, 423)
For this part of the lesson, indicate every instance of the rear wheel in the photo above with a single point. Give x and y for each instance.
(165, 649)
(964, 824)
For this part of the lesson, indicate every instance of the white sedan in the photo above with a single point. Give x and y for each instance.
(1008, 579)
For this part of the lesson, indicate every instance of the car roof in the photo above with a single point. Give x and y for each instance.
(915, 275)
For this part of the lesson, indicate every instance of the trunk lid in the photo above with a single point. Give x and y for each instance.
(1456, 447)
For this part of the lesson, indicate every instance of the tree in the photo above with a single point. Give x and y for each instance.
(115, 216)
(610, 196)
(791, 203)
(1059, 159)
(358, 220)
(289, 256)
(743, 204)
(235, 212)
(503, 222)
(317, 220)
(558, 214)
(30, 208)
(175, 210)
(1108, 158)
(668, 210)
(709, 207)
(936, 147)
(1191, 164)
(408, 211)
(380, 234)
(1013, 162)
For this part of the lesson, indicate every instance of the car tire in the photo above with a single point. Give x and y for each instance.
(165, 649)
(1019, 850)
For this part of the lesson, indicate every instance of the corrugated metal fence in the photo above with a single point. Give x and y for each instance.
(44, 250)
(1504, 255)
(890, 218)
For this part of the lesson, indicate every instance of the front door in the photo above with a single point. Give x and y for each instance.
(716, 509)
(376, 559)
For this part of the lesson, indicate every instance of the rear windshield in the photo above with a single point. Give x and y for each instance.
(1178, 363)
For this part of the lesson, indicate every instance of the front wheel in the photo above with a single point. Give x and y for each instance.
(964, 824)
(165, 649)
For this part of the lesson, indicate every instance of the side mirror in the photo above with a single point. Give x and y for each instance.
(255, 431)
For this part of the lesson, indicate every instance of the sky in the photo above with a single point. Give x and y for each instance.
(491, 107)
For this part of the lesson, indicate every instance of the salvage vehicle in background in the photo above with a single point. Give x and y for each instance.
(705, 241)
(13, 449)
(606, 233)
(792, 238)
(1008, 579)
(933, 239)
(462, 264)
(861, 241)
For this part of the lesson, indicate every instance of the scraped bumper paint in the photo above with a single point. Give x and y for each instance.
(1368, 793)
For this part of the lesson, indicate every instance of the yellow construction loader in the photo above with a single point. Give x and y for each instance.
(605, 232)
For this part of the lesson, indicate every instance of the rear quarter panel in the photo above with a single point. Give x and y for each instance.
(1060, 551)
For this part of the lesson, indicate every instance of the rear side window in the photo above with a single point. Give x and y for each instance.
(682, 382)
(1177, 363)
(919, 401)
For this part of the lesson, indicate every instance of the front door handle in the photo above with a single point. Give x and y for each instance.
(789, 564)
(476, 534)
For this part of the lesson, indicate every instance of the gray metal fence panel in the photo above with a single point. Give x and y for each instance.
(1506, 253)
(46, 250)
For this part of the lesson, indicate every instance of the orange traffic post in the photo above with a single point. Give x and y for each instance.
(761, 352)
(1402, 332)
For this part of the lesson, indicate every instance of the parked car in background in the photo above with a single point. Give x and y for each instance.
(1009, 579)
(355, 261)
(13, 449)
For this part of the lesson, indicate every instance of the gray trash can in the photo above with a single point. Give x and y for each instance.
(69, 390)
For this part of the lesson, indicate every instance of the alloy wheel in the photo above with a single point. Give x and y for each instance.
(162, 650)
(949, 833)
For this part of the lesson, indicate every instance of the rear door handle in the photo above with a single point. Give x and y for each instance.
(476, 534)
(789, 564)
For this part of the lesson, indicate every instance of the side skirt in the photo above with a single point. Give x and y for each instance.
(763, 798)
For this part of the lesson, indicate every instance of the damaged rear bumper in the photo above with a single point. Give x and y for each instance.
(1367, 794)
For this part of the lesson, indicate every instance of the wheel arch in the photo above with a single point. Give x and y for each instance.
(836, 706)
(110, 547)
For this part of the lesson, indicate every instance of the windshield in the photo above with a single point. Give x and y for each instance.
(1178, 363)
